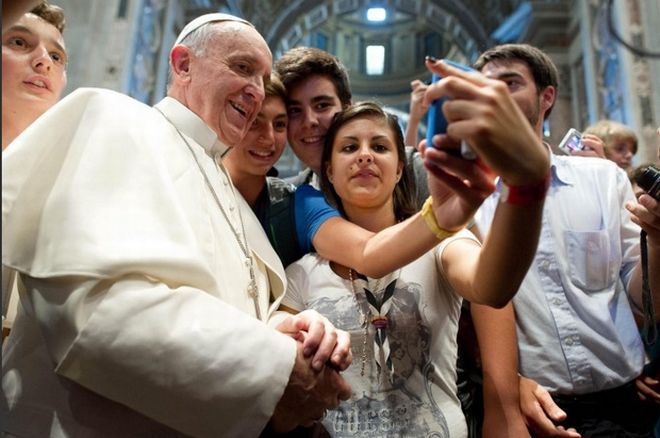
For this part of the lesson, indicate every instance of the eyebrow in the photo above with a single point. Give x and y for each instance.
(322, 97)
(376, 137)
(23, 29)
(507, 75)
(315, 99)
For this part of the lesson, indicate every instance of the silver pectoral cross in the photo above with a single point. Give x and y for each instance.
(252, 290)
(253, 293)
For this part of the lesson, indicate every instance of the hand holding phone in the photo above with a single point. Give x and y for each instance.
(571, 142)
(436, 121)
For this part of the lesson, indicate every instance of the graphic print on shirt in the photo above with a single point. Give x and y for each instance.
(383, 405)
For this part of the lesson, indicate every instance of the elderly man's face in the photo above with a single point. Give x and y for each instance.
(227, 82)
(33, 64)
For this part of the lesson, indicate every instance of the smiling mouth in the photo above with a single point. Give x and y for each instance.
(314, 139)
(239, 108)
(262, 154)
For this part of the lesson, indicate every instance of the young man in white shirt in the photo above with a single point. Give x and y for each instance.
(576, 331)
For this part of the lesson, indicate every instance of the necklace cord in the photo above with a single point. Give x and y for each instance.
(242, 243)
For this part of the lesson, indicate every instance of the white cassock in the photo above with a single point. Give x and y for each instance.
(135, 318)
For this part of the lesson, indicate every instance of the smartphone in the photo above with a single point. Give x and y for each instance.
(571, 142)
(436, 122)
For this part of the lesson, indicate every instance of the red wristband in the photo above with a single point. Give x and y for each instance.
(527, 194)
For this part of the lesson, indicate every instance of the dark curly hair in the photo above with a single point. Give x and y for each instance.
(540, 65)
(299, 63)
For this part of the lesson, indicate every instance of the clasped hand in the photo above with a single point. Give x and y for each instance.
(315, 383)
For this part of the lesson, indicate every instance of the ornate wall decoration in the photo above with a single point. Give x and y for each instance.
(641, 75)
(147, 48)
(607, 67)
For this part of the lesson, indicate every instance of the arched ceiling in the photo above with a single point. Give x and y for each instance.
(457, 29)
(275, 17)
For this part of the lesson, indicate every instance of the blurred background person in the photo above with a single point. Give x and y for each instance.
(620, 141)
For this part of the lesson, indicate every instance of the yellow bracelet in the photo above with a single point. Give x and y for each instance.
(432, 223)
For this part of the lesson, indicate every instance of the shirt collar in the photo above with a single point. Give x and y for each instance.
(560, 173)
(191, 125)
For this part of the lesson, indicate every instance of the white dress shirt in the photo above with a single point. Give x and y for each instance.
(135, 316)
(575, 327)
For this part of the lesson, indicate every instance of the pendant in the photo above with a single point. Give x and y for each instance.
(380, 322)
(252, 289)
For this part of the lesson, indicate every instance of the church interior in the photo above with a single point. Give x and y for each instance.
(606, 50)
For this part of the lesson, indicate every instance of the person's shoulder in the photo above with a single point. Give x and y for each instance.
(589, 166)
(97, 105)
(307, 264)
(86, 94)
(91, 111)
(307, 190)
(580, 162)
(312, 200)
(578, 159)
(463, 234)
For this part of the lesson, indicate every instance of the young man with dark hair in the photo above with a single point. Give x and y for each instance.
(576, 331)
(317, 88)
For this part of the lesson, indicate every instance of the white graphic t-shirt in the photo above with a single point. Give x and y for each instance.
(409, 356)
